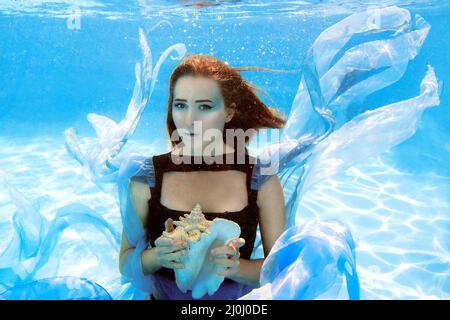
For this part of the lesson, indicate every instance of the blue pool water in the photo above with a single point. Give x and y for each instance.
(60, 61)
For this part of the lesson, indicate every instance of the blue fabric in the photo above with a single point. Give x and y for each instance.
(133, 230)
(64, 288)
(303, 264)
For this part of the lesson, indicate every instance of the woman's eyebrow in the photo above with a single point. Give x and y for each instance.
(202, 100)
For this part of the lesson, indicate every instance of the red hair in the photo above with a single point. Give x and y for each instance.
(250, 111)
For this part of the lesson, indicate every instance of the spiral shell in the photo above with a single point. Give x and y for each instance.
(191, 226)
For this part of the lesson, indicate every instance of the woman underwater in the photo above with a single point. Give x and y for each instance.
(206, 92)
(329, 129)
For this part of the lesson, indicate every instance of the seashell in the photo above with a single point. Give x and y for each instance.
(199, 272)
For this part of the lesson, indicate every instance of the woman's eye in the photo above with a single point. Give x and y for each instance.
(205, 107)
(180, 105)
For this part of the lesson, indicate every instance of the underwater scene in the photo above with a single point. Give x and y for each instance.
(363, 158)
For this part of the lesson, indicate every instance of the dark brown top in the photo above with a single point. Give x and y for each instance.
(247, 218)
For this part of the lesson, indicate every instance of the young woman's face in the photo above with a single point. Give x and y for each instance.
(198, 102)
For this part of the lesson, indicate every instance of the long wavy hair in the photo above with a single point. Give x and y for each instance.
(250, 111)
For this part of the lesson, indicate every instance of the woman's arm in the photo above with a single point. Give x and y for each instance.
(148, 258)
(140, 194)
(271, 222)
(166, 252)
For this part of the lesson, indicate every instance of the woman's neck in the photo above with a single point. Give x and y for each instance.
(208, 150)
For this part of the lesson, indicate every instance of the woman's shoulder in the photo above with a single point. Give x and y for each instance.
(139, 187)
(143, 168)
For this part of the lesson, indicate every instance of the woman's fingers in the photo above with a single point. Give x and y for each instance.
(226, 271)
(173, 260)
(163, 241)
(238, 243)
(226, 262)
(173, 265)
(225, 252)
(168, 253)
(168, 250)
(227, 257)
(176, 255)
(222, 251)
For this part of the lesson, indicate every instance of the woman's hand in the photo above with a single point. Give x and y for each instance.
(227, 257)
(169, 251)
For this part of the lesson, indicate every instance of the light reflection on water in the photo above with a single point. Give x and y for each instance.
(217, 9)
(400, 223)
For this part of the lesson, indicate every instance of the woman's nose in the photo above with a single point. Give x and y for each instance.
(190, 118)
